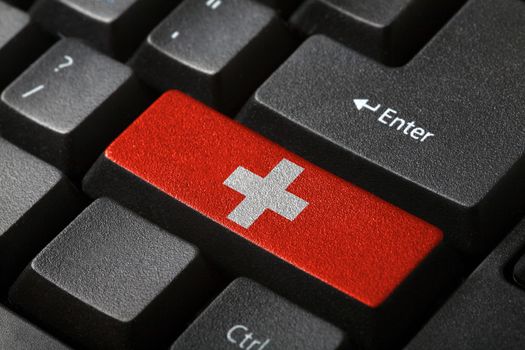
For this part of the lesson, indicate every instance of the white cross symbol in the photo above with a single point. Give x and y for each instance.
(265, 193)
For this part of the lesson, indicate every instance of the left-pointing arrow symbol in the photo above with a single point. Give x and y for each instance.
(362, 103)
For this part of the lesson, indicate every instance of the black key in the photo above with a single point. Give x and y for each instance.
(217, 51)
(440, 137)
(69, 105)
(113, 280)
(248, 316)
(18, 334)
(389, 31)
(36, 201)
(487, 311)
(20, 43)
(115, 27)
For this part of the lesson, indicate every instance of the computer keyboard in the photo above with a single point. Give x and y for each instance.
(260, 174)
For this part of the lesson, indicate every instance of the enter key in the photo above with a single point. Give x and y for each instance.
(441, 137)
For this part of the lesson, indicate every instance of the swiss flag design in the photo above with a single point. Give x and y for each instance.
(318, 222)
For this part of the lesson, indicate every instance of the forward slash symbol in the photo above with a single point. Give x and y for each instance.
(33, 91)
(213, 4)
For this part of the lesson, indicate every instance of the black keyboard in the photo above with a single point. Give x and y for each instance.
(262, 174)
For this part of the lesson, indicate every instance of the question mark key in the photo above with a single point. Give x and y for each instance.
(68, 61)
(67, 106)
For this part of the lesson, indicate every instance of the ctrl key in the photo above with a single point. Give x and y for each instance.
(112, 280)
(249, 316)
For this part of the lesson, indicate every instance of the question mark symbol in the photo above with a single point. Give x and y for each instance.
(68, 63)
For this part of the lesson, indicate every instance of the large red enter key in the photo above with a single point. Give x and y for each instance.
(261, 210)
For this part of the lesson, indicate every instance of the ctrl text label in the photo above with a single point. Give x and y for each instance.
(241, 337)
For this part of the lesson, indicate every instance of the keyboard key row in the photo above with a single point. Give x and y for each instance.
(391, 32)
(226, 90)
(115, 27)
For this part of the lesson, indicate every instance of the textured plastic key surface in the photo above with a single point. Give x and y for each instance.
(389, 31)
(248, 316)
(440, 137)
(487, 311)
(216, 51)
(36, 201)
(114, 26)
(18, 334)
(20, 42)
(69, 105)
(113, 280)
(270, 214)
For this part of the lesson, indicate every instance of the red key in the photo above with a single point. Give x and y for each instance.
(323, 226)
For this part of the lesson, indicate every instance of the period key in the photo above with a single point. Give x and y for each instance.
(260, 211)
